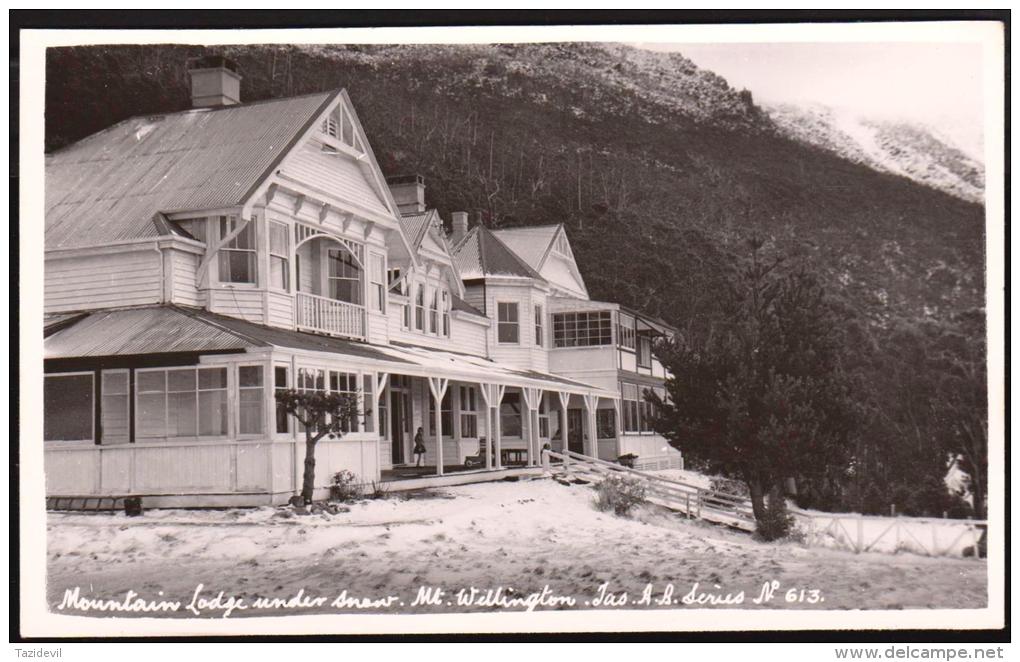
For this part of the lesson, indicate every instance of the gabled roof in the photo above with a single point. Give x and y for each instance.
(530, 243)
(481, 254)
(109, 186)
(416, 225)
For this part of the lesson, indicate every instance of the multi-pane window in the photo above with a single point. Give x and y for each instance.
(116, 407)
(367, 402)
(446, 313)
(345, 383)
(644, 351)
(539, 332)
(279, 256)
(605, 423)
(510, 415)
(508, 324)
(419, 308)
(280, 384)
(377, 281)
(182, 402)
(237, 257)
(344, 276)
(631, 408)
(625, 331)
(434, 312)
(445, 413)
(68, 407)
(251, 399)
(543, 418)
(384, 421)
(583, 329)
(310, 379)
(468, 412)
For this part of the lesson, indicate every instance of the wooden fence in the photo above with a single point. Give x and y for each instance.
(848, 531)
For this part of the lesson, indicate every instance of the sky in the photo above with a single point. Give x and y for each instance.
(938, 84)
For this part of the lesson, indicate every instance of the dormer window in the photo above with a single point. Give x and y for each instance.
(434, 313)
(419, 309)
(446, 313)
(237, 257)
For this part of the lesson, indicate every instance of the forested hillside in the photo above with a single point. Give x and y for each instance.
(659, 170)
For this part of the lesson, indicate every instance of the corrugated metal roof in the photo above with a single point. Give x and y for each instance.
(149, 330)
(530, 244)
(416, 224)
(109, 186)
(481, 254)
(285, 338)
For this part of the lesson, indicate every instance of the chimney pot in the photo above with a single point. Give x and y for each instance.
(215, 81)
(459, 224)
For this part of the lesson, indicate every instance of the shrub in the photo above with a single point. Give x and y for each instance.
(777, 522)
(343, 488)
(619, 494)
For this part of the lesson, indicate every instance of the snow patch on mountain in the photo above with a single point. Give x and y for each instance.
(911, 150)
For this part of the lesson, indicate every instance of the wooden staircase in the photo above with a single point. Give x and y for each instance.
(691, 500)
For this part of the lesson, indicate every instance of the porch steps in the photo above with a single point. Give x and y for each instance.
(690, 500)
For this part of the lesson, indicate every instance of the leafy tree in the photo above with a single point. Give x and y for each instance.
(322, 415)
(765, 396)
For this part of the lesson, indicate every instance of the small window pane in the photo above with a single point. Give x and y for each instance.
(249, 375)
(68, 408)
(181, 380)
(210, 378)
(151, 382)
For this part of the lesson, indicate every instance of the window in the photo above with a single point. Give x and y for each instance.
(508, 324)
(445, 413)
(625, 331)
(115, 407)
(280, 384)
(251, 399)
(539, 335)
(310, 379)
(582, 329)
(510, 415)
(446, 313)
(644, 351)
(367, 401)
(384, 421)
(345, 383)
(434, 312)
(543, 418)
(237, 256)
(377, 278)
(183, 402)
(419, 309)
(605, 423)
(68, 407)
(631, 419)
(279, 256)
(344, 276)
(468, 412)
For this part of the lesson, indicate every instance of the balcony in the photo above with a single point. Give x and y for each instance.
(329, 316)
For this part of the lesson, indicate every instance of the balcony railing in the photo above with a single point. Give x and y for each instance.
(336, 318)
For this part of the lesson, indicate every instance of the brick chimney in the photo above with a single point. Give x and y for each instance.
(408, 192)
(459, 224)
(214, 82)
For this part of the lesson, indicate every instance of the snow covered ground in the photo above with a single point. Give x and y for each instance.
(522, 536)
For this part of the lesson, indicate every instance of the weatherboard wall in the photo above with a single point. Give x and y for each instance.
(80, 281)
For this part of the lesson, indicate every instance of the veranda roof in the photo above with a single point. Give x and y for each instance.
(172, 329)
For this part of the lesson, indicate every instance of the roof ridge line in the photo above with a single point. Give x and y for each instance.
(196, 314)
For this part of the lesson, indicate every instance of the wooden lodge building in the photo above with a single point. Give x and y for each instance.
(197, 261)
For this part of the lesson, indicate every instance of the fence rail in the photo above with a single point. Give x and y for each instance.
(848, 531)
